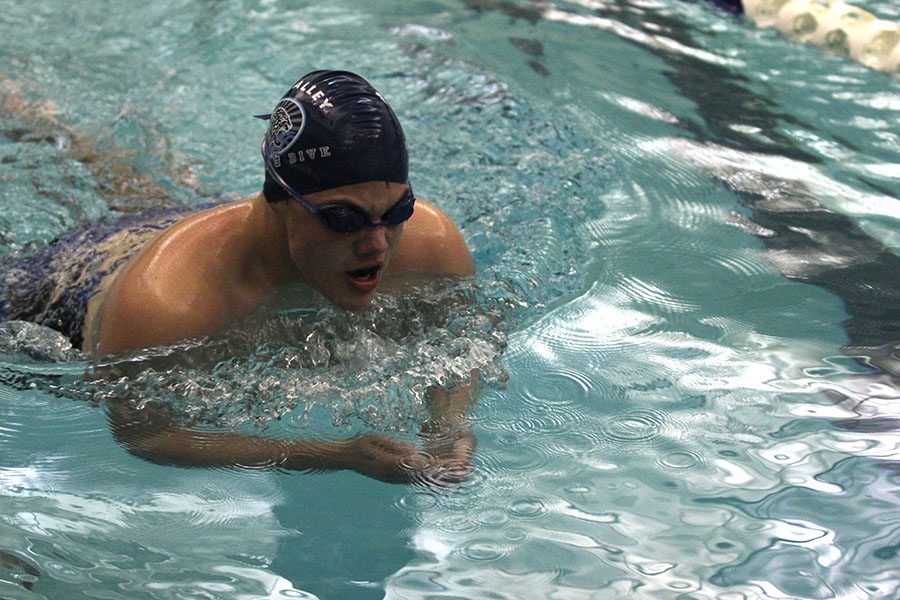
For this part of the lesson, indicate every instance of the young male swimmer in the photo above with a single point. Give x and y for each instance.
(337, 214)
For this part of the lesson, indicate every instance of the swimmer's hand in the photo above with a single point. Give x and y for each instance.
(387, 459)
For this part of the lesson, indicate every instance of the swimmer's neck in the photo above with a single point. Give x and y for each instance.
(267, 253)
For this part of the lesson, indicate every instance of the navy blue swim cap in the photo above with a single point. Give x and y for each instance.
(734, 6)
(332, 128)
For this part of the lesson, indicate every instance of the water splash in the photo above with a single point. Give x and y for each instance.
(371, 368)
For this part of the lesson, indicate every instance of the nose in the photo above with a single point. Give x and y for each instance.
(372, 241)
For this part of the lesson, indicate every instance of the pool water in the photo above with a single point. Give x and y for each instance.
(686, 316)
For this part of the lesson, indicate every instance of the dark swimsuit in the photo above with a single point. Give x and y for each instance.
(51, 284)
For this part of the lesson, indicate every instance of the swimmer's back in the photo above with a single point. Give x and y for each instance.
(192, 279)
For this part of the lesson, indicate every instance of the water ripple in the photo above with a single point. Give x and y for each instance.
(590, 327)
(521, 461)
(484, 551)
(529, 507)
(645, 292)
(640, 428)
(552, 421)
(690, 214)
(455, 523)
(561, 387)
(574, 443)
(416, 501)
(214, 509)
(681, 460)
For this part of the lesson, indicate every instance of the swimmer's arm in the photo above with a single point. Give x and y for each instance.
(448, 433)
(152, 437)
(432, 244)
(141, 311)
(125, 330)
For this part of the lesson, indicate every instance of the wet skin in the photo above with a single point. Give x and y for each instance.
(213, 267)
(345, 267)
(204, 272)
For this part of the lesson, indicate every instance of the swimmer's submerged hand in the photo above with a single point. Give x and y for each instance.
(447, 445)
(395, 461)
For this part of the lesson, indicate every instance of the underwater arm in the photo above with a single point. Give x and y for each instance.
(432, 245)
(448, 433)
(151, 436)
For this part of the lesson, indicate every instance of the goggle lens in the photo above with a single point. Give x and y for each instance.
(346, 219)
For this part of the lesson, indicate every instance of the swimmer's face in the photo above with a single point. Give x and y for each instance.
(346, 268)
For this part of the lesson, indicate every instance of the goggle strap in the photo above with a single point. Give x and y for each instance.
(410, 198)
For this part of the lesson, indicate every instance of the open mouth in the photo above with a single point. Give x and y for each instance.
(367, 274)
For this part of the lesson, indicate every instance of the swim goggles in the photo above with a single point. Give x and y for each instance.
(341, 217)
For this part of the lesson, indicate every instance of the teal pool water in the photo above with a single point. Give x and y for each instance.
(686, 226)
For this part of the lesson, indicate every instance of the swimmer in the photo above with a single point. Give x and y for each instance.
(337, 214)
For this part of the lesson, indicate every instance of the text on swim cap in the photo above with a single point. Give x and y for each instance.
(323, 102)
(295, 157)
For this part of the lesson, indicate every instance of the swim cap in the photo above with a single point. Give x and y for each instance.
(730, 5)
(332, 128)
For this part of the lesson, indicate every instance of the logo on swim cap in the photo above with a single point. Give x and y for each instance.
(285, 126)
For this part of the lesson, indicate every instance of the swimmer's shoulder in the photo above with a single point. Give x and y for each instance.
(431, 243)
(176, 287)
